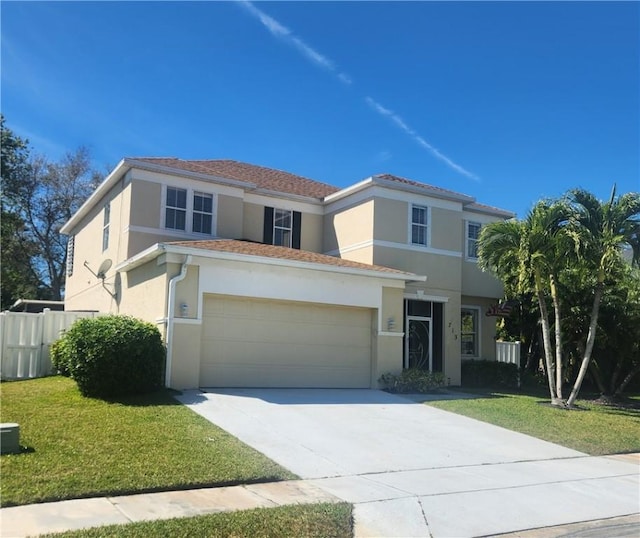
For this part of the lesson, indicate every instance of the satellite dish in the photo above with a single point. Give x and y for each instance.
(104, 267)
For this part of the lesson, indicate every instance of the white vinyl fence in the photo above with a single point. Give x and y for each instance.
(25, 340)
(509, 352)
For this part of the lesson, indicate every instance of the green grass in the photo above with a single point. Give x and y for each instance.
(315, 520)
(80, 447)
(593, 428)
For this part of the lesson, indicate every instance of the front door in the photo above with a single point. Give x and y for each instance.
(418, 343)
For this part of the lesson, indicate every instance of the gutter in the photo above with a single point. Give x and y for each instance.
(170, 317)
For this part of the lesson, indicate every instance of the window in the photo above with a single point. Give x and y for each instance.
(105, 226)
(176, 208)
(419, 225)
(469, 331)
(70, 252)
(473, 233)
(202, 212)
(282, 227)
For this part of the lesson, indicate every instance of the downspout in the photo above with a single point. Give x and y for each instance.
(170, 316)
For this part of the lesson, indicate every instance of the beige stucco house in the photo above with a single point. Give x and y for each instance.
(261, 278)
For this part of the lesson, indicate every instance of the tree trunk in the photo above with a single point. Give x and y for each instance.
(558, 336)
(546, 338)
(591, 338)
(595, 371)
(626, 381)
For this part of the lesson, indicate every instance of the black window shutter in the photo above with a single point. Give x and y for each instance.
(297, 224)
(267, 238)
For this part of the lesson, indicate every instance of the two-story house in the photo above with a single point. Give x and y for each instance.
(258, 277)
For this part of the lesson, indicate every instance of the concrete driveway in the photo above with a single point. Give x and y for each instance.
(413, 470)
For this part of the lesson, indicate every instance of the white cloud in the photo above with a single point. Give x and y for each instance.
(282, 32)
(397, 120)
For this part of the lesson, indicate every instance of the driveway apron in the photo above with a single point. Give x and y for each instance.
(414, 470)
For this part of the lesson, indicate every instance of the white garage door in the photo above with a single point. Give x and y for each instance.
(264, 343)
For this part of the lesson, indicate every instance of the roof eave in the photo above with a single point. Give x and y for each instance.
(162, 248)
(492, 211)
(424, 190)
(104, 187)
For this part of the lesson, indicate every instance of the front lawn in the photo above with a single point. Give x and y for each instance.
(594, 428)
(310, 521)
(80, 447)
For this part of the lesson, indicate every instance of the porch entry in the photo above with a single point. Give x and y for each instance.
(423, 329)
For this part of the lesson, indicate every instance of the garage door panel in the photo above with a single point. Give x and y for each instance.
(260, 343)
(282, 376)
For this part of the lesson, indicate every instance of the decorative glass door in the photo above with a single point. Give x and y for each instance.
(418, 343)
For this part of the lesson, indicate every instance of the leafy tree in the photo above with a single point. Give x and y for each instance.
(528, 256)
(564, 251)
(616, 354)
(601, 229)
(18, 279)
(41, 196)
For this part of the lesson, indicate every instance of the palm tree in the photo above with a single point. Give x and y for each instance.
(601, 230)
(529, 254)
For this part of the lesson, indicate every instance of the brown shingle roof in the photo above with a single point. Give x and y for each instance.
(271, 251)
(264, 178)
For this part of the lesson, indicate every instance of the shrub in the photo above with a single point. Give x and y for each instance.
(112, 356)
(484, 373)
(59, 354)
(412, 380)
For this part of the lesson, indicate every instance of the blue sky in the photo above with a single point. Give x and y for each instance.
(505, 101)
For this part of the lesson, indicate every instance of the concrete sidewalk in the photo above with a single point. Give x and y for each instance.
(35, 519)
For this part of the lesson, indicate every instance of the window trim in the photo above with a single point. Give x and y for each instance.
(478, 332)
(468, 240)
(268, 233)
(189, 211)
(276, 227)
(195, 211)
(427, 226)
(106, 222)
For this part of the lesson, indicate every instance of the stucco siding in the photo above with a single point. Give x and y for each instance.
(311, 232)
(185, 356)
(187, 291)
(391, 220)
(146, 204)
(253, 222)
(445, 226)
(83, 290)
(479, 283)
(144, 292)
(441, 271)
(348, 227)
(230, 217)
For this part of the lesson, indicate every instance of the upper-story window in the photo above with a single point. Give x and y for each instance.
(473, 234)
(106, 220)
(189, 211)
(282, 227)
(176, 208)
(419, 225)
(202, 212)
